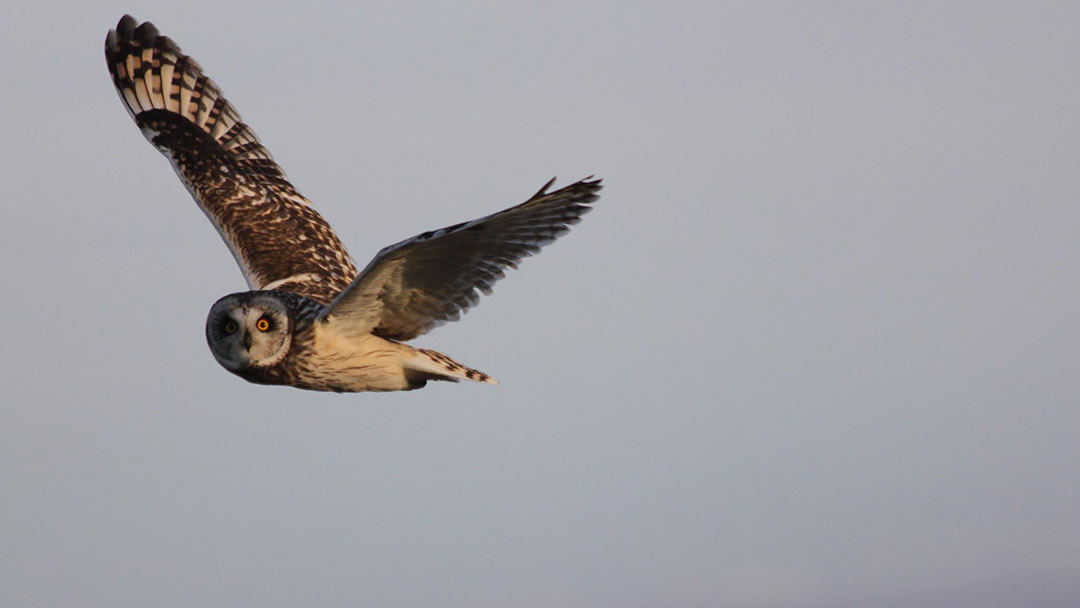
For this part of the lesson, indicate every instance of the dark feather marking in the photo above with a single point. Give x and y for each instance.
(241, 189)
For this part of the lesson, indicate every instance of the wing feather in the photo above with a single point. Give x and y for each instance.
(420, 283)
(273, 232)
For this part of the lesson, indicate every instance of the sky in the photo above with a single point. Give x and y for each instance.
(817, 345)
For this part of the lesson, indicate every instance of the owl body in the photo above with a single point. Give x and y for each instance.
(278, 337)
(310, 320)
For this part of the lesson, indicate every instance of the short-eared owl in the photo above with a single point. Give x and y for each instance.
(311, 321)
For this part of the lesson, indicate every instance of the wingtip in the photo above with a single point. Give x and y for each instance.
(595, 184)
(126, 27)
(146, 34)
(591, 188)
(543, 189)
(598, 182)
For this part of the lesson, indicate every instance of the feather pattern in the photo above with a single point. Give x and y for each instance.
(273, 232)
(420, 283)
(310, 320)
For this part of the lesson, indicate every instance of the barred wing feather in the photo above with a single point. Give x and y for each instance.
(277, 238)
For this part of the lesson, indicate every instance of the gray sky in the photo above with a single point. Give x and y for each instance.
(818, 345)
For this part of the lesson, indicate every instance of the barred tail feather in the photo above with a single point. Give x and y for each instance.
(433, 365)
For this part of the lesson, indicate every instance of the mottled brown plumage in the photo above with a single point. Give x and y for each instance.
(276, 236)
(311, 321)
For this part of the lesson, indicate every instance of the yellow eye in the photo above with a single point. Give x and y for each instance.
(263, 324)
(231, 327)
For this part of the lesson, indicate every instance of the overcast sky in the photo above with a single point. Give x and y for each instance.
(818, 345)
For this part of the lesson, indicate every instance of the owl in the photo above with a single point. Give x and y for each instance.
(309, 319)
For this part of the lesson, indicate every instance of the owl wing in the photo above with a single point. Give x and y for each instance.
(423, 282)
(277, 238)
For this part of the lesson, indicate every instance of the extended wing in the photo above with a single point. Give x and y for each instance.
(422, 282)
(277, 238)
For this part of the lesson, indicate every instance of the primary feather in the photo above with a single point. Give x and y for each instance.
(277, 238)
(420, 283)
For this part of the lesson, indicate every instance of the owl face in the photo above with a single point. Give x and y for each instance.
(249, 330)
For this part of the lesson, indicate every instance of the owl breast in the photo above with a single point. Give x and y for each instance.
(324, 360)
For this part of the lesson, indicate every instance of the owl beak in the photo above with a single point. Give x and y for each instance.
(247, 340)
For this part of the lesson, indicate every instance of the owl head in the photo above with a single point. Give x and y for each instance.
(249, 330)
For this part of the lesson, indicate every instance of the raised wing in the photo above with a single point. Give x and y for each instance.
(423, 282)
(278, 240)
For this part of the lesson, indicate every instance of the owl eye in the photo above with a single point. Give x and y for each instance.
(231, 327)
(263, 324)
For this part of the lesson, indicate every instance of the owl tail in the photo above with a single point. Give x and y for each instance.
(433, 365)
